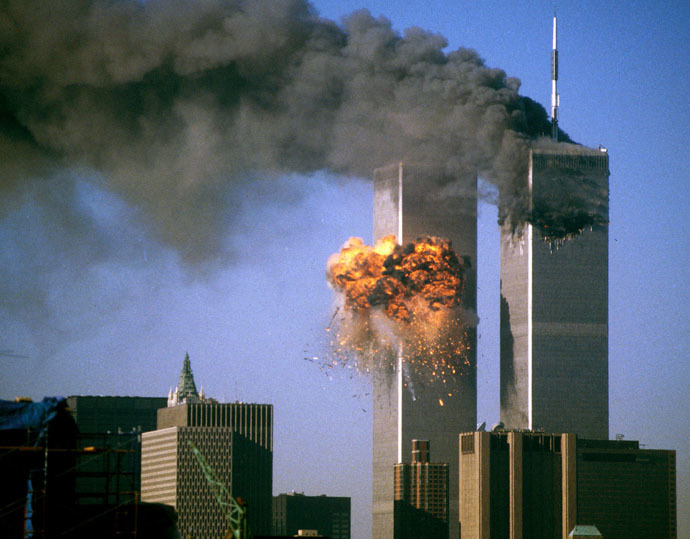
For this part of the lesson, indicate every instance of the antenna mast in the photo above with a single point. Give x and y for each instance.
(555, 98)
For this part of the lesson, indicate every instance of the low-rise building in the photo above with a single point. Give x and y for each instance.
(539, 485)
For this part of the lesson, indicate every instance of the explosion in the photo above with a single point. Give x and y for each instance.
(401, 298)
(425, 275)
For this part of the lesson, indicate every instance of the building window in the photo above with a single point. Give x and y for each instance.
(467, 443)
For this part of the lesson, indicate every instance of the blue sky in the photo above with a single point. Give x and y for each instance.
(253, 324)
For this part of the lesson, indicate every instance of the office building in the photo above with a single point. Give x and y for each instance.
(96, 414)
(536, 485)
(112, 426)
(325, 515)
(237, 441)
(554, 298)
(411, 201)
(421, 496)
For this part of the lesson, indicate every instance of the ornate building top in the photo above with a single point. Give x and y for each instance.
(186, 388)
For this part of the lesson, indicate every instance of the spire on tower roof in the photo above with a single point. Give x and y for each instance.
(186, 388)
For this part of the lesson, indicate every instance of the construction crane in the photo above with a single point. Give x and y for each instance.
(234, 510)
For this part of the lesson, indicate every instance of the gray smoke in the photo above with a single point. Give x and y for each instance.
(175, 103)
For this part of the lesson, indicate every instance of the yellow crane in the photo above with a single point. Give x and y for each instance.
(234, 510)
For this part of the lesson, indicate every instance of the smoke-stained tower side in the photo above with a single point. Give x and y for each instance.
(554, 298)
(411, 201)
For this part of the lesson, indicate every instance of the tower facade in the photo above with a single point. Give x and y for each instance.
(554, 299)
(421, 496)
(412, 201)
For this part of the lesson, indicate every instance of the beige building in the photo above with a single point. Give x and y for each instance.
(535, 485)
(237, 441)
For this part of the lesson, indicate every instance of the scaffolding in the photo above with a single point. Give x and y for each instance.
(70, 492)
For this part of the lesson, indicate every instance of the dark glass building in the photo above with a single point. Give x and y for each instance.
(94, 414)
(328, 515)
(111, 428)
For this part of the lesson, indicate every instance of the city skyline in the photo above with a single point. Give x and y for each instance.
(253, 321)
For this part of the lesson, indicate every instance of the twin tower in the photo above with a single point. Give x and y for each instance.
(554, 317)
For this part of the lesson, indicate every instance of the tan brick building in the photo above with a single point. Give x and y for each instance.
(535, 485)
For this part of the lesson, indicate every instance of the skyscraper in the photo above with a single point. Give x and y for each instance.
(237, 441)
(412, 201)
(421, 496)
(554, 297)
(114, 425)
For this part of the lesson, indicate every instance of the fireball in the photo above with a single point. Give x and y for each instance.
(401, 298)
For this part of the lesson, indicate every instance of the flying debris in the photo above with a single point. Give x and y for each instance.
(12, 354)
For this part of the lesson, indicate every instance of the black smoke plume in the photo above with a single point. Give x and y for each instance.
(172, 103)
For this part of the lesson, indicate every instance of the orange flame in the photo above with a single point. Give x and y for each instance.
(408, 282)
(401, 296)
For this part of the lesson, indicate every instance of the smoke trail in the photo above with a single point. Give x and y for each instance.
(176, 102)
